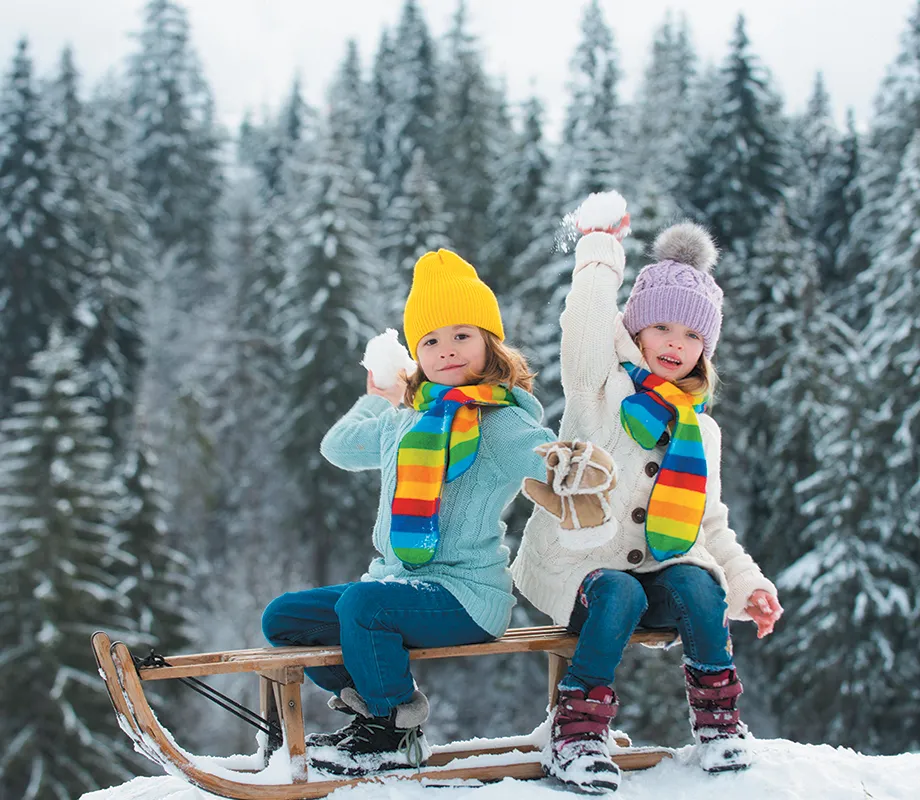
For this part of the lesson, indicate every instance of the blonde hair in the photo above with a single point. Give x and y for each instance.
(504, 365)
(701, 380)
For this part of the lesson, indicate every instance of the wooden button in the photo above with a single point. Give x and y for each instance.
(638, 515)
(634, 557)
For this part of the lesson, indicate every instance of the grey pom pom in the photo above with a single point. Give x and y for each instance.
(687, 243)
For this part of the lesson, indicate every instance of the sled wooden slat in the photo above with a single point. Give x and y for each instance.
(634, 759)
(549, 639)
(124, 712)
(440, 759)
(280, 674)
(553, 631)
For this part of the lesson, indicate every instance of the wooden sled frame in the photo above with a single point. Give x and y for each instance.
(281, 674)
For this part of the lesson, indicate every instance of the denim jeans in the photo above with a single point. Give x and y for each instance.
(374, 622)
(612, 604)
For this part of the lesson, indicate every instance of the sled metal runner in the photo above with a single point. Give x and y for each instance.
(280, 672)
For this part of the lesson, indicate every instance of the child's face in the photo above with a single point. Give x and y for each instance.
(672, 350)
(453, 354)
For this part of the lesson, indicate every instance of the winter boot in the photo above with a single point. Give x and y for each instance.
(339, 704)
(577, 753)
(376, 744)
(722, 740)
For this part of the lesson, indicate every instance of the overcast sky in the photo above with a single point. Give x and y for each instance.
(251, 49)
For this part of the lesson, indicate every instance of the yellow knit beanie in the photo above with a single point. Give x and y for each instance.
(447, 291)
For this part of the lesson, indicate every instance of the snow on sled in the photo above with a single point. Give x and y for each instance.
(285, 774)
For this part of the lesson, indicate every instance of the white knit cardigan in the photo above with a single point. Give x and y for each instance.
(594, 342)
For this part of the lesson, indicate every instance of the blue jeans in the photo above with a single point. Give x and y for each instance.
(374, 622)
(612, 604)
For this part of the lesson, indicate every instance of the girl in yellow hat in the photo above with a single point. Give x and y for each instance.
(451, 460)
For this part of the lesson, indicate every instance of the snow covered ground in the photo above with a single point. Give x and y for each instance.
(782, 770)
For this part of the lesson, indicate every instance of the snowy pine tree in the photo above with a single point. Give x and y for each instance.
(850, 598)
(813, 142)
(847, 639)
(174, 146)
(862, 579)
(516, 203)
(893, 343)
(248, 380)
(175, 149)
(735, 173)
(592, 157)
(661, 135)
(158, 579)
(111, 252)
(36, 284)
(848, 649)
(783, 374)
(379, 110)
(651, 210)
(326, 308)
(408, 105)
(414, 223)
(348, 108)
(545, 268)
(894, 122)
(61, 563)
(290, 132)
(663, 106)
(588, 160)
(470, 130)
(837, 208)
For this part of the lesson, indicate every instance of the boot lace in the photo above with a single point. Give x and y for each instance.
(365, 728)
(411, 747)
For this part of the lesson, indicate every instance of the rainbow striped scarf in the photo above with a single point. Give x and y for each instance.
(445, 440)
(678, 499)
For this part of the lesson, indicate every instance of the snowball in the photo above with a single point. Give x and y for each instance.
(603, 211)
(385, 357)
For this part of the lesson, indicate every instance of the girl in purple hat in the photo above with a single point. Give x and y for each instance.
(637, 383)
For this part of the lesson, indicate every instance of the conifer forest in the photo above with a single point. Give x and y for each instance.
(183, 310)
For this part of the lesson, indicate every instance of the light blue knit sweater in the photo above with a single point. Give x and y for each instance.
(471, 562)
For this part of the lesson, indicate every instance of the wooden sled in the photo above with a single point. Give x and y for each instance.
(280, 672)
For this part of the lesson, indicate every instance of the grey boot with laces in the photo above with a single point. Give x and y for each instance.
(376, 744)
(339, 704)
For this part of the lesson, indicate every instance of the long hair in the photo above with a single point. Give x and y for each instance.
(504, 365)
(701, 380)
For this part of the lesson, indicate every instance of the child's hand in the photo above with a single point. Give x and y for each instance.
(765, 610)
(394, 394)
(603, 212)
(620, 230)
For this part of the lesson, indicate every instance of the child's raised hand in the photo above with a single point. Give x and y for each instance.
(395, 393)
(620, 229)
(765, 610)
(604, 212)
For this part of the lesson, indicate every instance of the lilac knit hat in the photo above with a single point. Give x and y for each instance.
(679, 286)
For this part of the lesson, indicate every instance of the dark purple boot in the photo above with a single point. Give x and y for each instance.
(578, 753)
(722, 739)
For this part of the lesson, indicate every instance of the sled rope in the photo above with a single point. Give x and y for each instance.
(272, 729)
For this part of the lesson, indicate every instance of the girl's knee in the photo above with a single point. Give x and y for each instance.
(272, 615)
(691, 580)
(361, 603)
(618, 588)
(688, 572)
